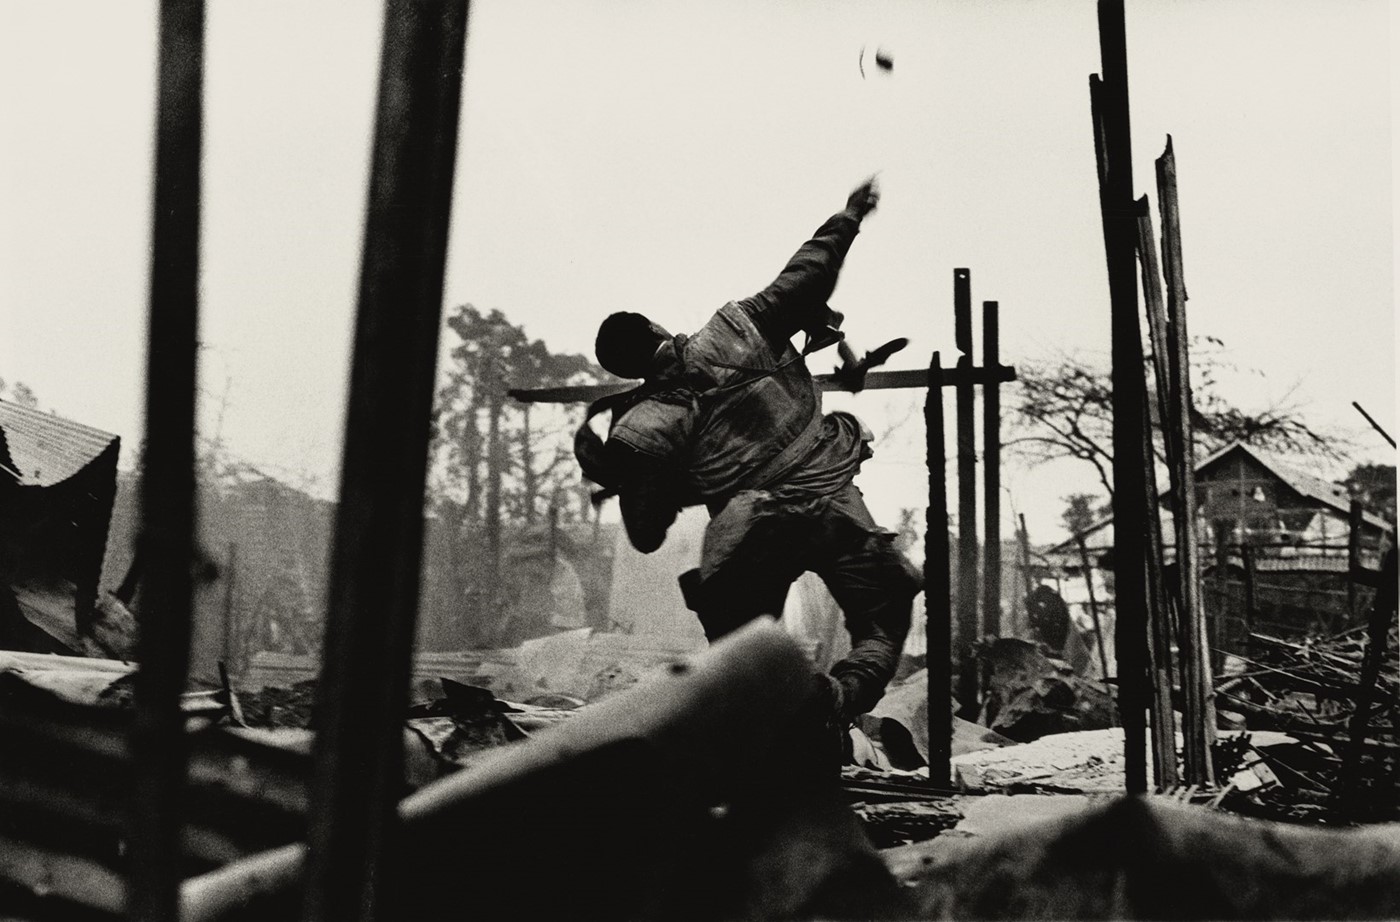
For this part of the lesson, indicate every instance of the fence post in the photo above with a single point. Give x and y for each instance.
(991, 473)
(166, 544)
(968, 625)
(1198, 687)
(1109, 103)
(937, 587)
(373, 593)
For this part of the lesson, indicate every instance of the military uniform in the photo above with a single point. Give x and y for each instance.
(733, 420)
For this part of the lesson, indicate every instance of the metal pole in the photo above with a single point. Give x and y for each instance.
(373, 594)
(167, 484)
(991, 475)
(1374, 425)
(968, 698)
(1112, 123)
(1198, 688)
(938, 621)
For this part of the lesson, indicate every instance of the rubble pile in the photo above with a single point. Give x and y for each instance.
(1030, 694)
(1309, 690)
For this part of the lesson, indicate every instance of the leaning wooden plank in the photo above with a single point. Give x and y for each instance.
(1158, 613)
(1196, 678)
(716, 722)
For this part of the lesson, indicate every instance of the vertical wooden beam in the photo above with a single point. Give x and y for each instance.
(938, 620)
(1086, 566)
(968, 633)
(991, 474)
(168, 482)
(1109, 99)
(1251, 599)
(1159, 634)
(1382, 616)
(1198, 688)
(374, 585)
(230, 577)
(1356, 522)
(1025, 538)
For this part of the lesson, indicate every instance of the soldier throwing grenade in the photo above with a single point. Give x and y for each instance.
(730, 417)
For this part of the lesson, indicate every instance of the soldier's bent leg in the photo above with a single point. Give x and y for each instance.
(875, 585)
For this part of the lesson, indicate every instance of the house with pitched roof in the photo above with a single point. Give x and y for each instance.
(57, 483)
(1296, 526)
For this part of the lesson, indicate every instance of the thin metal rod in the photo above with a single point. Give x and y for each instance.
(1111, 119)
(167, 495)
(1192, 637)
(1374, 425)
(968, 627)
(938, 589)
(374, 584)
(991, 475)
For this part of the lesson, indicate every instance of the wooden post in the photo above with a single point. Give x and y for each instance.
(938, 614)
(968, 697)
(1159, 648)
(1023, 541)
(1088, 569)
(168, 513)
(1198, 688)
(1215, 622)
(1109, 99)
(372, 604)
(991, 476)
(1356, 523)
(1383, 609)
(230, 576)
(1250, 599)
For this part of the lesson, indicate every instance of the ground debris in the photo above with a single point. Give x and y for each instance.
(1308, 689)
(277, 708)
(1030, 694)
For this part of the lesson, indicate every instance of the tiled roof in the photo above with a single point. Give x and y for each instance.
(44, 448)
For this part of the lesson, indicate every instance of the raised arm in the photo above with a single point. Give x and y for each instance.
(796, 299)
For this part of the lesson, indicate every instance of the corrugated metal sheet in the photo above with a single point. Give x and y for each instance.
(47, 449)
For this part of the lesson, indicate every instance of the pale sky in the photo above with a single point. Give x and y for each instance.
(668, 156)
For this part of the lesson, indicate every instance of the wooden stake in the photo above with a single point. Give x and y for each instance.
(991, 476)
(938, 621)
(168, 511)
(1159, 634)
(968, 633)
(373, 598)
(1198, 689)
(1109, 102)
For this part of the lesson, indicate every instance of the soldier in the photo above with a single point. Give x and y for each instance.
(730, 417)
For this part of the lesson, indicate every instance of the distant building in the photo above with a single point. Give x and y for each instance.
(1296, 527)
(57, 481)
